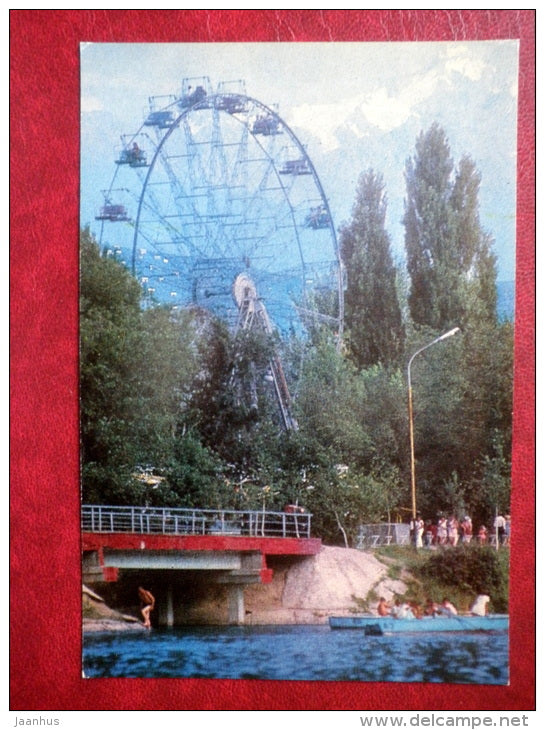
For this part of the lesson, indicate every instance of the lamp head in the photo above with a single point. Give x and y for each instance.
(448, 334)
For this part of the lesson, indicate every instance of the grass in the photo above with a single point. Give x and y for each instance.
(410, 565)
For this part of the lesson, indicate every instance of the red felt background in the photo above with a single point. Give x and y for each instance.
(45, 642)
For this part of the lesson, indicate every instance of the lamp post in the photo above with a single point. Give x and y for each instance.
(411, 428)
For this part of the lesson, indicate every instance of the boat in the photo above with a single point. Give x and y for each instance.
(381, 625)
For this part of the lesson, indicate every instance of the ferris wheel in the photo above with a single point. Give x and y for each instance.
(214, 185)
(216, 205)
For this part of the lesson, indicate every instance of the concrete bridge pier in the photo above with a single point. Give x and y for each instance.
(169, 608)
(236, 613)
(165, 606)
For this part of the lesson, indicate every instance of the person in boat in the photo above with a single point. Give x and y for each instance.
(383, 607)
(479, 607)
(402, 610)
(147, 604)
(431, 608)
(447, 608)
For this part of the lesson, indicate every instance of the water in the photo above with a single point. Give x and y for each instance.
(298, 653)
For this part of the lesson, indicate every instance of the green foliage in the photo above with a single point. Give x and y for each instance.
(428, 224)
(471, 568)
(372, 309)
(342, 499)
(458, 573)
(196, 477)
(136, 374)
(358, 417)
(462, 416)
(449, 256)
(111, 405)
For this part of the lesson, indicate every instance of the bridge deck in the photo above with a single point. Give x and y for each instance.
(241, 543)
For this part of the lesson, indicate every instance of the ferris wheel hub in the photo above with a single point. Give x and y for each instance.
(244, 289)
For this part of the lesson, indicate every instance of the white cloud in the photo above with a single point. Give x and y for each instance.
(386, 112)
(466, 62)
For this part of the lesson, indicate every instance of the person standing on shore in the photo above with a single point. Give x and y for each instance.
(499, 526)
(147, 604)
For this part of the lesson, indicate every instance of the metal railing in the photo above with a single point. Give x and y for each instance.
(384, 533)
(181, 521)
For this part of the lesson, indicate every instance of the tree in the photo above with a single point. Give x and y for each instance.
(465, 394)
(449, 257)
(471, 254)
(111, 404)
(462, 416)
(372, 310)
(136, 372)
(428, 223)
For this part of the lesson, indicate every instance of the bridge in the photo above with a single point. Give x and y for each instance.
(230, 546)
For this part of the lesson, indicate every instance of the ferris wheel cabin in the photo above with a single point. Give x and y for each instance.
(113, 213)
(163, 119)
(295, 167)
(317, 218)
(194, 93)
(266, 124)
(132, 156)
(232, 104)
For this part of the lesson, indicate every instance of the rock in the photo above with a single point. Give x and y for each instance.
(91, 594)
(112, 625)
(97, 616)
(332, 579)
(336, 581)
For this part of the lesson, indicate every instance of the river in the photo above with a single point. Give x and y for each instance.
(298, 653)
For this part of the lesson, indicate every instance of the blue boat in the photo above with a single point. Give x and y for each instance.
(381, 625)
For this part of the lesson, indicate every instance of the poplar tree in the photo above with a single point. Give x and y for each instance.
(429, 231)
(464, 393)
(372, 310)
(449, 257)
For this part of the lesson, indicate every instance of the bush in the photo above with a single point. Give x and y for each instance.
(473, 568)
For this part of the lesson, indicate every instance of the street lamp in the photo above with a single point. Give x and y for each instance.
(411, 429)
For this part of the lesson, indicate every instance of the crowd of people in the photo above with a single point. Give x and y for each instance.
(414, 610)
(451, 531)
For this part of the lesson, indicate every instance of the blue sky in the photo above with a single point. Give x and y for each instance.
(353, 106)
